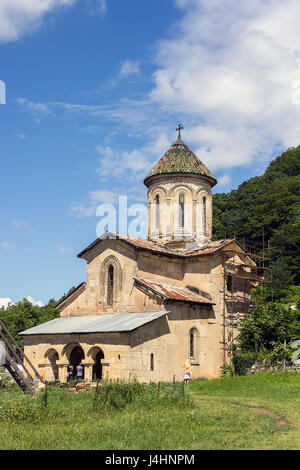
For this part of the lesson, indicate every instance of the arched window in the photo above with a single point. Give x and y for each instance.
(192, 345)
(204, 213)
(157, 211)
(110, 285)
(151, 361)
(110, 282)
(181, 210)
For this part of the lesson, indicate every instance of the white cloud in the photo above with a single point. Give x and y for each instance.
(102, 196)
(18, 17)
(42, 108)
(223, 180)
(133, 165)
(229, 70)
(21, 224)
(7, 245)
(130, 68)
(5, 302)
(38, 303)
(101, 7)
(63, 249)
(95, 198)
(78, 209)
(96, 7)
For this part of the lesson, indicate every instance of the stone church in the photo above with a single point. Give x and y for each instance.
(148, 305)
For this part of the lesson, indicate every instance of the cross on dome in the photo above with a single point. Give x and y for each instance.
(179, 128)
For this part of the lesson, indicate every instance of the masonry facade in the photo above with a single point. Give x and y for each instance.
(147, 305)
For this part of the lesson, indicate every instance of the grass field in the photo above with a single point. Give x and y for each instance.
(251, 412)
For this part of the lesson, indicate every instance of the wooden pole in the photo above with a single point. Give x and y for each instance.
(46, 396)
(158, 390)
(96, 395)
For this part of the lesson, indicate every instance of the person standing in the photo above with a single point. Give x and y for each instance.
(79, 372)
(186, 371)
(69, 372)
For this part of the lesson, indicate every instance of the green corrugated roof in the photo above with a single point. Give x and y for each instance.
(180, 159)
(108, 323)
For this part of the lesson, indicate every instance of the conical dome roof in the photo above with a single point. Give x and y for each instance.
(180, 159)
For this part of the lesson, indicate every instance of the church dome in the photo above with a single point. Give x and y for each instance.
(179, 159)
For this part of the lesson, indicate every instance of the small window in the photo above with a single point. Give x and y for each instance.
(192, 343)
(229, 283)
(110, 285)
(151, 361)
(181, 210)
(204, 213)
(157, 215)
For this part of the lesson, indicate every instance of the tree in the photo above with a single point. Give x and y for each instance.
(24, 315)
(270, 201)
(266, 327)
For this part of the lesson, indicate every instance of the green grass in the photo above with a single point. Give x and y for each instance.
(215, 414)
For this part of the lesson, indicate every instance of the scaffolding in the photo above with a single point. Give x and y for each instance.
(243, 269)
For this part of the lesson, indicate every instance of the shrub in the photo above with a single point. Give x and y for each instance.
(20, 408)
(227, 369)
(243, 361)
(118, 396)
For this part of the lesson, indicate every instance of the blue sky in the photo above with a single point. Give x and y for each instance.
(94, 92)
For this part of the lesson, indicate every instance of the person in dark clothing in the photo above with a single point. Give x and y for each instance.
(70, 372)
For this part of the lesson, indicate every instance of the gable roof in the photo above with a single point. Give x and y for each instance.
(156, 248)
(109, 323)
(173, 292)
(72, 292)
(179, 158)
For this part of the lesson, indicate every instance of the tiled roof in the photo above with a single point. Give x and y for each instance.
(173, 292)
(156, 248)
(180, 159)
(109, 323)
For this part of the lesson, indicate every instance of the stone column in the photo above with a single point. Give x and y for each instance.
(88, 370)
(194, 219)
(62, 370)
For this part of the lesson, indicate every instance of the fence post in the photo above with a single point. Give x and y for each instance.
(96, 395)
(158, 390)
(46, 396)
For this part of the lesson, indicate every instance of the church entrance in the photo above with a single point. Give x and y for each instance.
(76, 356)
(97, 367)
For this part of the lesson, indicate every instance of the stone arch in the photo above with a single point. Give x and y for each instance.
(177, 188)
(157, 215)
(178, 191)
(204, 213)
(96, 354)
(66, 352)
(52, 371)
(160, 190)
(110, 261)
(50, 352)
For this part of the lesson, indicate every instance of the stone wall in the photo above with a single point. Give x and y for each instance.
(167, 339)
(128, 354)
(197, 223)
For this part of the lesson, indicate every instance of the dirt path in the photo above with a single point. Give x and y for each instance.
(280, 422)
